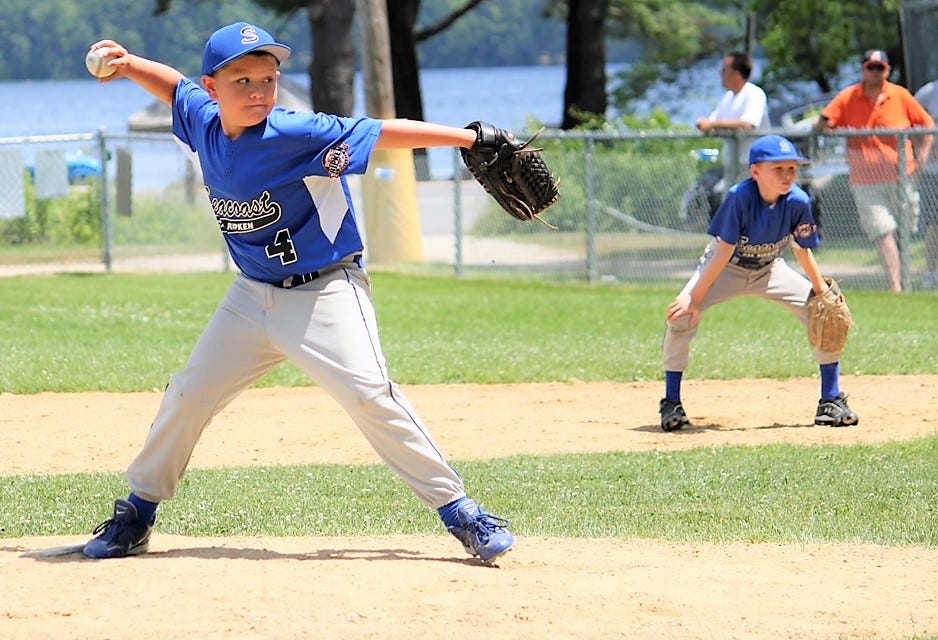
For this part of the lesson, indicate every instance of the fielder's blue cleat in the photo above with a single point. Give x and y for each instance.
(482, 534)
(122, 535)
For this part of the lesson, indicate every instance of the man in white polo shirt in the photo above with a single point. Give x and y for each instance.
(744, 107)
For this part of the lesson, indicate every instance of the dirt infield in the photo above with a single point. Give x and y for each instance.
(424, 586)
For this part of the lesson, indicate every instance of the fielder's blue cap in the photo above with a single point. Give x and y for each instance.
(235, 40)
(774, 148)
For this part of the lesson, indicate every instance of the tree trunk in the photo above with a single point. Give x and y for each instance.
(332, 68)
(408, 101)
(402, 19)
(389, 188)
(585, 92)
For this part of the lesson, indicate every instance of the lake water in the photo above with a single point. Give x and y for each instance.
(507, 96)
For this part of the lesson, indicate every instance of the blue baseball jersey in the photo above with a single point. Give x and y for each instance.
(278, 191)
(762, 230)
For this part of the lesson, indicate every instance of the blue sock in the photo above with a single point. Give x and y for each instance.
(672, 385)
(146, 510)
(830, 380)
(448, 512)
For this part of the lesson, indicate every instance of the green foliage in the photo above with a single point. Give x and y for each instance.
(807, 40)
(167, 221)
(495, 33)
(502, 33)
(57, 50)
(637, 191)
(74, 219)
(879, 494)
(674, 34)
(803, 40)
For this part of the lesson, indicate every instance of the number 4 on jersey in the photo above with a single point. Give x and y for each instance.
(282, 248)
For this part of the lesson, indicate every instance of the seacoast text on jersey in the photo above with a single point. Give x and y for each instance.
(235, 216)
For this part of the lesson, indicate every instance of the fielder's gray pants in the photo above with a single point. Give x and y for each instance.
(776, 281)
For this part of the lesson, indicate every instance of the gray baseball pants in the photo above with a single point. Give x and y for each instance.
(327, 327)
(777, 281)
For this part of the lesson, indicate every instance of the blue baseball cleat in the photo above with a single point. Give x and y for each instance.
(482, 534)
(122, 535)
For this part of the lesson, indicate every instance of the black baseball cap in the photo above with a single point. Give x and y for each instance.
(875, 55)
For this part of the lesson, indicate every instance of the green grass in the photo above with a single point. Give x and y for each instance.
(880, 494)
(131, 332)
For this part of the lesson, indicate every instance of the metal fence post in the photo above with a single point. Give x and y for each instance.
(457, 210)
(106, 227)
(592, 271)
(906, 214)
(731, 161)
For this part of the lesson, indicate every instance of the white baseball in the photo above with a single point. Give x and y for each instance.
(97, 65)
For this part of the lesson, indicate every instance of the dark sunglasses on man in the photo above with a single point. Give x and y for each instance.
(875, 60)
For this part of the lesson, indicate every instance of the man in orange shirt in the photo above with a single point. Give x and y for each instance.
(874, 160)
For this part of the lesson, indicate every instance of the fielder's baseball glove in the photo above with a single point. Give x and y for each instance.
(512, 172)
(829, 319)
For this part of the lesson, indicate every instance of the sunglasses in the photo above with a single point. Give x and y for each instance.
(874, 67)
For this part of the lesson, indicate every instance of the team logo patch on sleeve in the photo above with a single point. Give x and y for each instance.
(805, 230)
(336, 160)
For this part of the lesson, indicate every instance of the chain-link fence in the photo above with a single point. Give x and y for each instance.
(93, 201)
(634, 208)
(36, 173)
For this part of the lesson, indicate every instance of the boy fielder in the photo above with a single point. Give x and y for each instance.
(756, 222)
(276, 180)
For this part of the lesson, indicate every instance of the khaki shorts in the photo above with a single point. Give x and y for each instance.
(878, 205)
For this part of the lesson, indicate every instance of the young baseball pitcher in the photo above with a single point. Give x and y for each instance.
(756, 222)
(276, 181)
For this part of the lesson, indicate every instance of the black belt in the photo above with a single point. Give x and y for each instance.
(294, 281)
(751, 266)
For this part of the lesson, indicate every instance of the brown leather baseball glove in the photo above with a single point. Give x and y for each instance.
(511, 171)
(829, 319)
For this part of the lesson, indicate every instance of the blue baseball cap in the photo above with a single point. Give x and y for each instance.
(235, 40)
(774, 148)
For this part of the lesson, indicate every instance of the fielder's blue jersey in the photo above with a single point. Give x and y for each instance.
(761, 230)
(278, 191)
